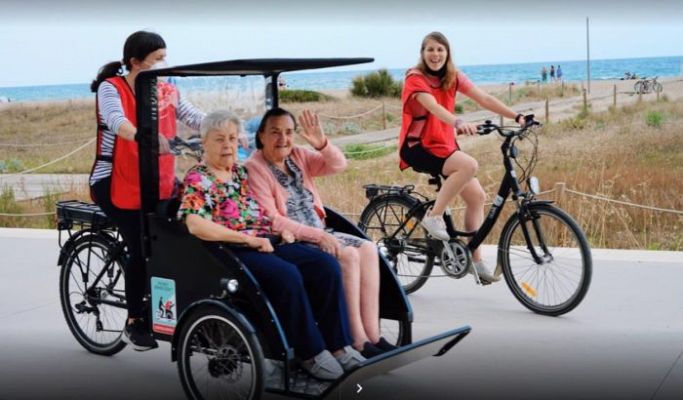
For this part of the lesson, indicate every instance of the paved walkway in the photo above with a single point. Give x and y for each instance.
(625, 341)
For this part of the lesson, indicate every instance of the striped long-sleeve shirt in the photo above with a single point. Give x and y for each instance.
(111, 114)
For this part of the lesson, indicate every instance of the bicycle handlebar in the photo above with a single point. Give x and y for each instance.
(488, 127)
(178, 144)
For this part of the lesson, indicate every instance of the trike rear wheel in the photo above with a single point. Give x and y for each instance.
(219, 357)
(92, 293)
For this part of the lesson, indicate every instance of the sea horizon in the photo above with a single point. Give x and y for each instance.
(336, 79)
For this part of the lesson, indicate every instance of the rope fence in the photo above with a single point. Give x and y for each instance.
(22, 145)
(560, 188)
(352, 116)
(56, 160)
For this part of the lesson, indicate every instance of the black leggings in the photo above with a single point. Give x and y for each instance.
(129, 224)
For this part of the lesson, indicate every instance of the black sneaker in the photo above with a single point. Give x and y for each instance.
(384, 345)
(138, 335)
(370, 350)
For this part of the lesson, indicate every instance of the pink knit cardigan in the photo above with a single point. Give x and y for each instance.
(273, 197)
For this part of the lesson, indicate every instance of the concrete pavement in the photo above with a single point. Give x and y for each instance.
(623, 342)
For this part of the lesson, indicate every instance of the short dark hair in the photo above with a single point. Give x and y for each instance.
(273, 112)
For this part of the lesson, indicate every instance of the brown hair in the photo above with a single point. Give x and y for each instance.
(450, 78)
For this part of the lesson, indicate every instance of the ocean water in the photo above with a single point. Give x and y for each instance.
(479, 74)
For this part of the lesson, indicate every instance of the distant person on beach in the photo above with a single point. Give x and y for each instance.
(544, 74)
(552, 73)
(114, 179)
(427, 139)
(559, 73)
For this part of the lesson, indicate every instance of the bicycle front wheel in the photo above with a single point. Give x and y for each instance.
(400, 238)
(92, 293)
(638, 87)
(550, 272)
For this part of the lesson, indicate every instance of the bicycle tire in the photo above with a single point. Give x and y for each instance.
(657, 87)
(411, 261)
(536, 286)
(213, 350)
(638, 87)
(96, 326)
(393, 331)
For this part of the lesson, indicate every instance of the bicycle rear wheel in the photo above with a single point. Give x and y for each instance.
(406, 248)
(95, 324)
(559, 280)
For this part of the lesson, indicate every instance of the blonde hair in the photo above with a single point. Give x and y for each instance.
(451, 75)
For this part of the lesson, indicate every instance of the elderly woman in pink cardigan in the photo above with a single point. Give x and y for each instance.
(281, 176)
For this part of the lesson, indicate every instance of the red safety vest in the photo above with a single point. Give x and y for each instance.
(125, 177)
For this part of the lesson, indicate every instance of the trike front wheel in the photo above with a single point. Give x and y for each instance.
(219, 357)
(549, 275)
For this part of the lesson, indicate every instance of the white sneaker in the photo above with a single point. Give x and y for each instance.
(435, 226)
(350, 359)
(483, 272)
(324, 367)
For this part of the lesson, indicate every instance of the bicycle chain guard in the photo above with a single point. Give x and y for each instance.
(455, 259)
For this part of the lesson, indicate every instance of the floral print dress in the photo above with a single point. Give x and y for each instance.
(226, 203)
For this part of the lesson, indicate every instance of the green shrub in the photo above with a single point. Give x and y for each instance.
(302, 96)
(459, 108)
(376, 84)
(654, 119)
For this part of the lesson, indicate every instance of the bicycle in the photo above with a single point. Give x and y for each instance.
(645, 86)
(542, 252)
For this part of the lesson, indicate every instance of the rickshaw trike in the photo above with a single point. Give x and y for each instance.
(224, 334)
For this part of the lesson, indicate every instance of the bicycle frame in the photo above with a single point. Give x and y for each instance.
(509, 186)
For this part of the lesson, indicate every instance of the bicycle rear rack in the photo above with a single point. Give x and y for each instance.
(82, 215)
(373, 190)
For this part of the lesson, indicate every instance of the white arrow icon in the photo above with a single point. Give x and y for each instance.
(359, 387)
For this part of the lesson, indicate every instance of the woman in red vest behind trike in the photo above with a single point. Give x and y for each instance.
(427, 141)
(115, 179)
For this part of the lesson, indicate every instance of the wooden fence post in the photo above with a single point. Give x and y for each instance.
(585, 101)
(384, 116)
(501, 121)
(547, 110)
(559, 192)
(510, 93)
(614, 97)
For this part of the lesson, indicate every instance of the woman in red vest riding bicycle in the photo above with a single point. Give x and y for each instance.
(115, 179)
(427, 140)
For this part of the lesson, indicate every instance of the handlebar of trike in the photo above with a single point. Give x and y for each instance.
(488, 127)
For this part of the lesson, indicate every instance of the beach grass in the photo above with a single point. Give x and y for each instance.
(630, 153)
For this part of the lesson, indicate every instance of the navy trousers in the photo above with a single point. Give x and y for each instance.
(304, 286)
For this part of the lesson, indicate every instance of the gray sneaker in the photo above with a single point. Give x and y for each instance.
(484, 273)
(324, 367)
(350, 359)
(436, 227)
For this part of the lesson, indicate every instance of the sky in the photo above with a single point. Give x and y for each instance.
(66, 41)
